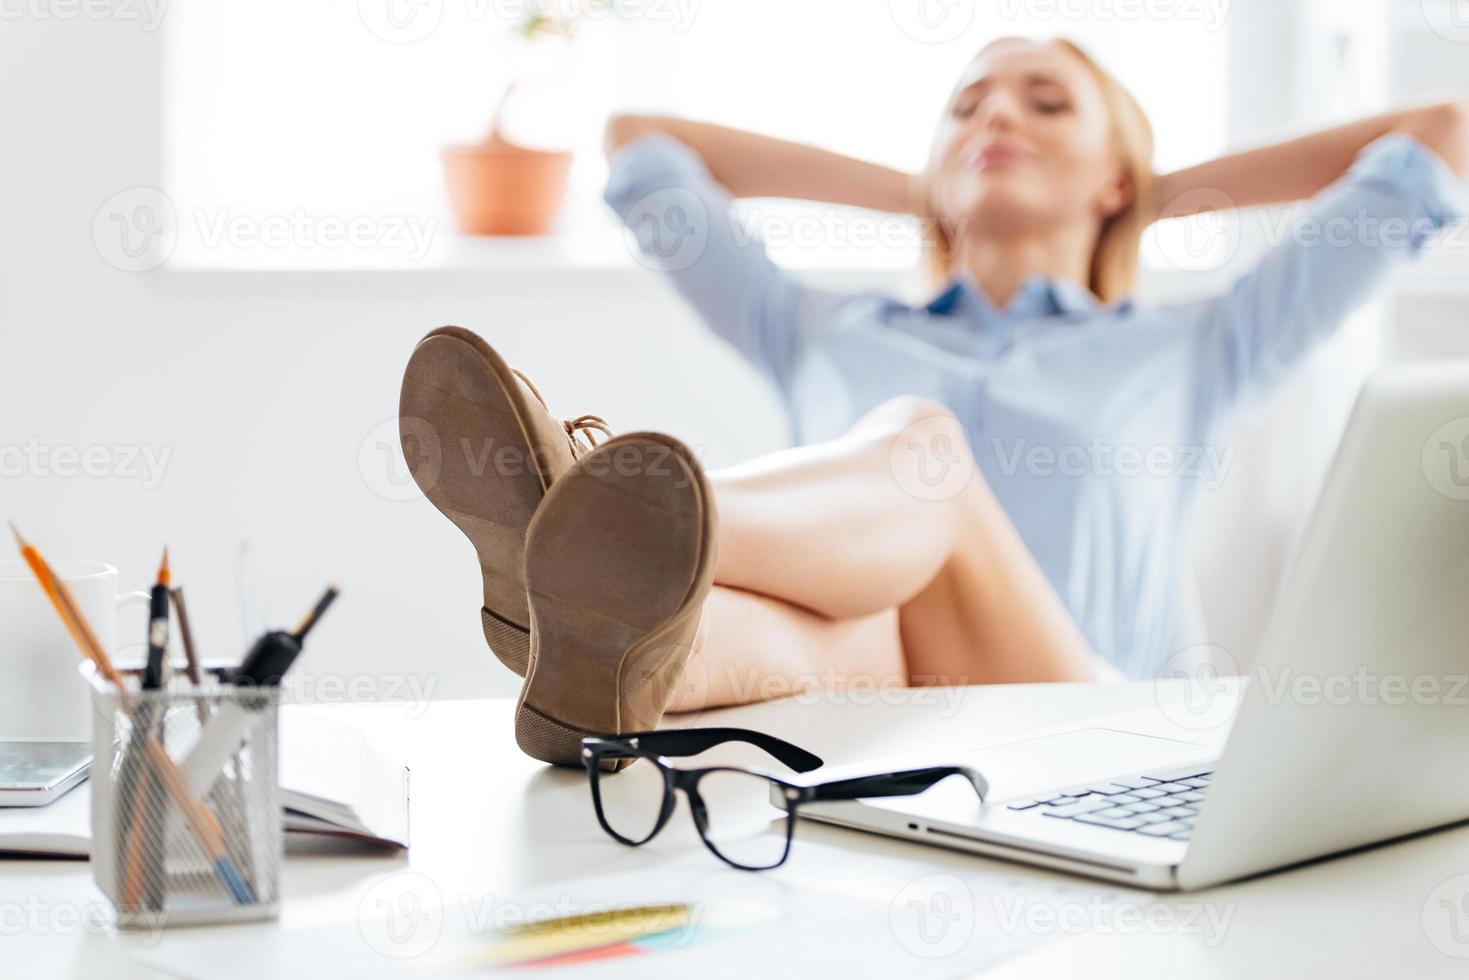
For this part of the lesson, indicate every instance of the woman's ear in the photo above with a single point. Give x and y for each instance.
(1116, 195)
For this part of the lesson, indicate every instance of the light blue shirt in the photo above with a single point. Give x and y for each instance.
(1095, 425)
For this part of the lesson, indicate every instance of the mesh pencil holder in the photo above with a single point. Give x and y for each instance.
(175, 842)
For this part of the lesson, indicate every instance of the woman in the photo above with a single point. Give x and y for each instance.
(916, 535)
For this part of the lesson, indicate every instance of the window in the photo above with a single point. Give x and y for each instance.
(287, 113)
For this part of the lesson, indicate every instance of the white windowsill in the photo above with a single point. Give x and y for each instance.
(606, 249)
(587, 247)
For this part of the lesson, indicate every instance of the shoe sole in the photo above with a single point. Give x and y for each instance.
(474, 408)
(618, 562)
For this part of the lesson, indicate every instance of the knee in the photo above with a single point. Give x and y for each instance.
(897, 415)
(931, 462)
(910, 422)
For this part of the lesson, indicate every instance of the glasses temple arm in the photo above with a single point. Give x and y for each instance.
(908, 783)
(692, 741)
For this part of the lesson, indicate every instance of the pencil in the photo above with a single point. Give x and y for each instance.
(191, 657)
(61, 598)
(200, 820)
(132, 867)
(91, 648)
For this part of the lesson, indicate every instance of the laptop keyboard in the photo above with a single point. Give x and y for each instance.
(1161, 805)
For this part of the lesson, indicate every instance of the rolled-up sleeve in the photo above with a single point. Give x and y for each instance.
(1395, 198)
(684, 225)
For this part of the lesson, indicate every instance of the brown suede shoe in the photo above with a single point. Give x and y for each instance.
(483, 449)
(618, 561)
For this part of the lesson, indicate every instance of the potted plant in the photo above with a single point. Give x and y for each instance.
(496, 186)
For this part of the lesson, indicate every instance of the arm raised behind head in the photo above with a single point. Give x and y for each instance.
(751, 165)
(1298, 168)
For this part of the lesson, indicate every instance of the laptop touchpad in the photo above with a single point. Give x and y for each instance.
(1085, 755)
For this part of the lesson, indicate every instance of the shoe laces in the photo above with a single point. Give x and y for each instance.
(578, 430)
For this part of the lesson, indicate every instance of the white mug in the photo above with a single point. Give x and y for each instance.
(41, 693)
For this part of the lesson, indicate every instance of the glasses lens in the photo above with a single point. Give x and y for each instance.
(631, 799)
(744, 826)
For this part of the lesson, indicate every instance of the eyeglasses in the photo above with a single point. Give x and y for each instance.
(732, 807)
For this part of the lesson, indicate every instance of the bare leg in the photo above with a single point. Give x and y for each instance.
(753, 648)
(836, 527)
(896, 514)
(991, 612)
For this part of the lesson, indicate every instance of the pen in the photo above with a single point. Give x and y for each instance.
(157, 628)
(263, 667)
(140, 790)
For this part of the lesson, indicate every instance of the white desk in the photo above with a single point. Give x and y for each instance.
(486, 820)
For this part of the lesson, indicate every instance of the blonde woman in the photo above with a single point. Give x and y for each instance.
(906, 538)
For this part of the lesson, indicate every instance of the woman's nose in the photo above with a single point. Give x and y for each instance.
(998, 112)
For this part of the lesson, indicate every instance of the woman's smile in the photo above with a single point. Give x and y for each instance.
(998, 155)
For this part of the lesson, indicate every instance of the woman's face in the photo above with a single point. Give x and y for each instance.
(1024, 145)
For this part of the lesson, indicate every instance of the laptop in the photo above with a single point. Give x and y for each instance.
(1353, 721)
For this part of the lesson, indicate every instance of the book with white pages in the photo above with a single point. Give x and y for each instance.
(333, 781)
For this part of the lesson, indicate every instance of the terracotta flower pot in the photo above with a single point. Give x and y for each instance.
(498, 188)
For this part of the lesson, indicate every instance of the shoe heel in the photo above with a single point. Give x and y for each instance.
(507, 641)
(546, 739)
(550, 741)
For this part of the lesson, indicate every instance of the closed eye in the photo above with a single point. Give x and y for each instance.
(1047, 96)
(1044, 95)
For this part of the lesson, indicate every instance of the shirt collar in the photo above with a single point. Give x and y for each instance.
(1037, 296)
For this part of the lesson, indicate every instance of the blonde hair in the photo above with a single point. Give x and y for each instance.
(1114, 261)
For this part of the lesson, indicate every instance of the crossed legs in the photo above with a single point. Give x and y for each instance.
(848, 561)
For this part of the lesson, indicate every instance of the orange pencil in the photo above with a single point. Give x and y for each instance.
(201, 821)
(61, 598)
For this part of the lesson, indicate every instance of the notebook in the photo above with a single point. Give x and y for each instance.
(333, 782)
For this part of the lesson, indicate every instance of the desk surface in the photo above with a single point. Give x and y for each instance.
(486, 820)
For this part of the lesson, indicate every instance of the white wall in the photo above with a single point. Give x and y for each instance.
(263, 387)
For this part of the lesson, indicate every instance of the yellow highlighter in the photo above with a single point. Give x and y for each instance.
(566, 936)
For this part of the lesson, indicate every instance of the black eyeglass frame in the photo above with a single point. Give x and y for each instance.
(659, 746)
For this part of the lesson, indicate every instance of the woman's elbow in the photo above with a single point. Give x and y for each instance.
(623, 128)
(1444, 128)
